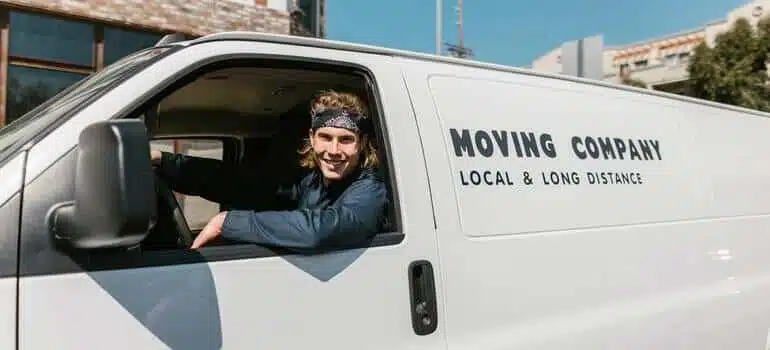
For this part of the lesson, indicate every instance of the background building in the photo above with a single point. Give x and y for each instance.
(309, 18)
(661, 63)
(46, 45)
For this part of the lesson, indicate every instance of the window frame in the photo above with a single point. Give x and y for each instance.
(138, 258)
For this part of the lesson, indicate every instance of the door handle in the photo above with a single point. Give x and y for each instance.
(422, 291)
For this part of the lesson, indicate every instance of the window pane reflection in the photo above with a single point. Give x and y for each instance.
(50, 38)
(119, 43)
(29, 87)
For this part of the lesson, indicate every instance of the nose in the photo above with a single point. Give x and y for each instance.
(334, 147)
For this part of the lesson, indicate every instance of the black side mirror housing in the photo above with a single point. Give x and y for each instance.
(114, 202)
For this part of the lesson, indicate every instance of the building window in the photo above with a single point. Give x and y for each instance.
(670, 59)
(119, 43)
(29, 87)
(307, 20)
(47, 38)
(624, 69)
(46, 54)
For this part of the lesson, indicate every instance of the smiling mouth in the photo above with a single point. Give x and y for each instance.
(333, 163)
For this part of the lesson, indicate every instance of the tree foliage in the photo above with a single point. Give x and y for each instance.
(734, 70)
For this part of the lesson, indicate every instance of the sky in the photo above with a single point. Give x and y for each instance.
(515, 32)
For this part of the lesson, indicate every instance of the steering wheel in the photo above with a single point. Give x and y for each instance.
(169, 208)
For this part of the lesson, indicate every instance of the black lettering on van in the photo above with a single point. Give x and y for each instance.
(633, 151)
(546, 142)
(606, 146)
(516, 144)
(530, 144)
(575, 142)
(462, 143)
(484, 143)
(475, 177)
(463, 180)
(620, 146)
(592, 147)
(656, 146)
(488, 177)
(479, 177)
(501, 137)
(646, 151)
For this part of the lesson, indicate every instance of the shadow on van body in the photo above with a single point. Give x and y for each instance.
(178, 303)
(326, 266)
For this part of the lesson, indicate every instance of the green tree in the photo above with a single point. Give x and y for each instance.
(734, 70)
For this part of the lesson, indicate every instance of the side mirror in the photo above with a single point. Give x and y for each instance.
(114, 204)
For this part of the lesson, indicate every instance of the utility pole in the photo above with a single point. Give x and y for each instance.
(439, 20)
(459, 50)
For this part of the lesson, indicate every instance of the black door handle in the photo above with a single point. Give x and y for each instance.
(422, 290)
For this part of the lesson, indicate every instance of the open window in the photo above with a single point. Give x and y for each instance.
(252, 113)
(195, 209)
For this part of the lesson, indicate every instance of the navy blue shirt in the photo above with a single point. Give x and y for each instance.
(344, 213)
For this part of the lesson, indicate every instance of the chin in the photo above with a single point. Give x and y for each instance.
(329, 175)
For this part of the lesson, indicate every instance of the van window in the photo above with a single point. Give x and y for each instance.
(252, 114)
(197, 211)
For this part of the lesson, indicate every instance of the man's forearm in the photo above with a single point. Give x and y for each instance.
(351, 221)
(208, 178)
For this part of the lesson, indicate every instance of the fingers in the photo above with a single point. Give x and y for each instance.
(203, 237)
(209, 232)
(155, 156)
(197, 243)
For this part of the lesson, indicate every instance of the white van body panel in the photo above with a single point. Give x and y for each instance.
(677, 261)
(8, 313)
(11, 177)
(356, 299)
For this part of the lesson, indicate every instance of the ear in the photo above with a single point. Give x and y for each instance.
(310, 137)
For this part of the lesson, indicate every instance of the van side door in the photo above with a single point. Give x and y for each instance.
(379, 296)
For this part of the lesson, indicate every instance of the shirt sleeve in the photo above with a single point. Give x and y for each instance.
(220, 182)
(352, 219)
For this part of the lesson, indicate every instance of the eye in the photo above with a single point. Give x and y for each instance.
(347, 139)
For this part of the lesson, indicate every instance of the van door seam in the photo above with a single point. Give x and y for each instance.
(422, 149)
(18, 244)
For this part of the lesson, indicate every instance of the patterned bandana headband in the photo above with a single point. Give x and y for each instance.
(338, 118)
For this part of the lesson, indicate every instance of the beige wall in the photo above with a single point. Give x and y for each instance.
(549, 62)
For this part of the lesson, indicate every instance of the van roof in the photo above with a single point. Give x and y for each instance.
(355, 47)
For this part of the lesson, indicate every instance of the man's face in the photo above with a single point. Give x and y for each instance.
(336, 151)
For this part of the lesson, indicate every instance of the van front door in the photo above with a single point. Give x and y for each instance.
(239, 296)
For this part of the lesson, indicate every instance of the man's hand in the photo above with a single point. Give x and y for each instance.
(211, 231)
(155, 157)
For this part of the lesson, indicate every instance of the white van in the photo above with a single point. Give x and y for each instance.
(530, 211)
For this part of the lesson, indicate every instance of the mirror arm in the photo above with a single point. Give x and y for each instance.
(61, 222)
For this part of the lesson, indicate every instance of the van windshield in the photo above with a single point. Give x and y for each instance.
(76, 96)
